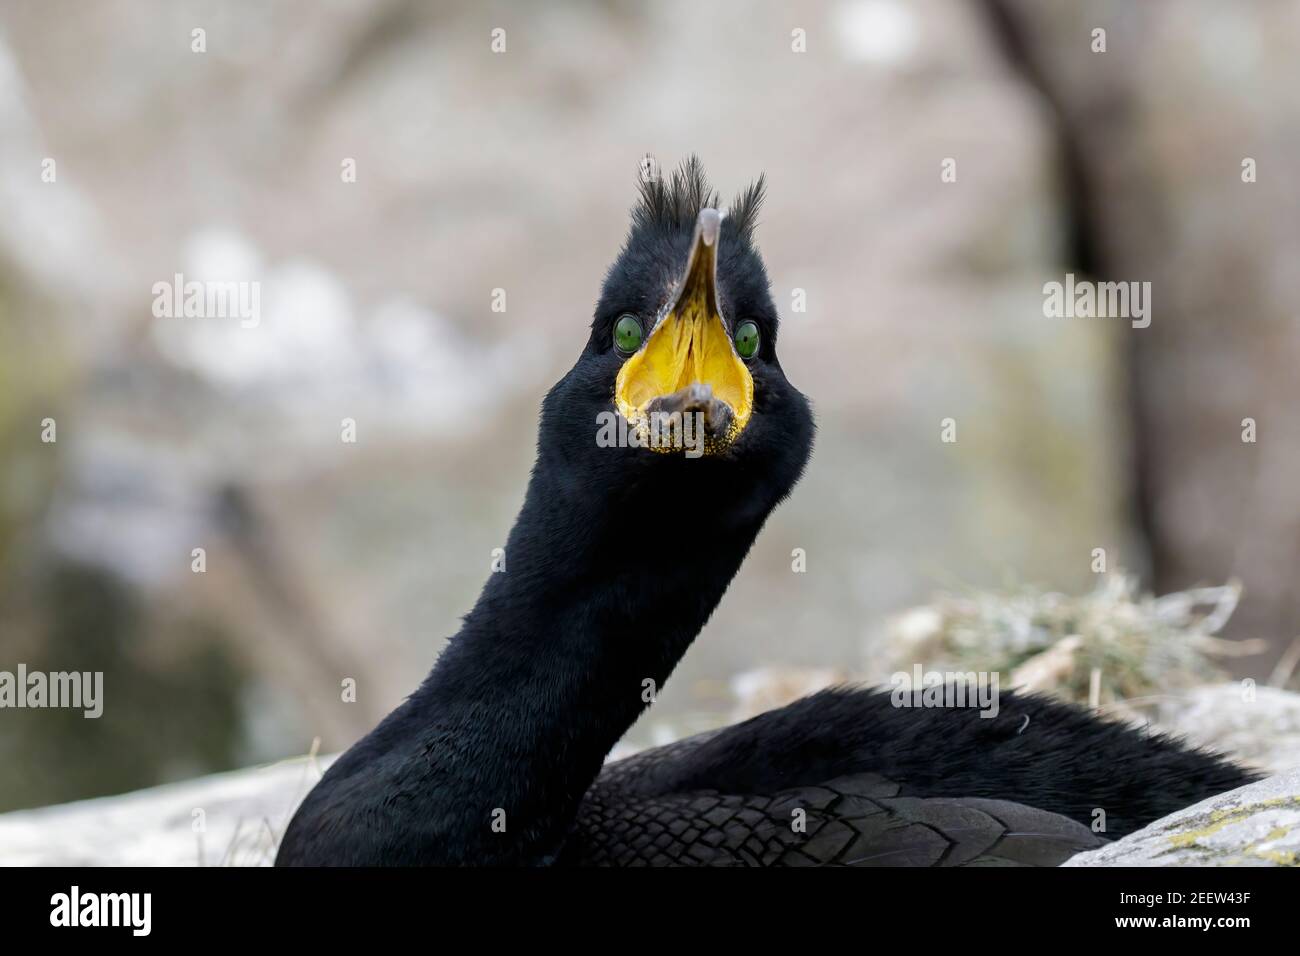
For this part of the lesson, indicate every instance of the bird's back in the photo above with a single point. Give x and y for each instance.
(845, 778)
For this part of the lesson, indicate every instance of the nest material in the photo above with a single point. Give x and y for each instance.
(1113, 648)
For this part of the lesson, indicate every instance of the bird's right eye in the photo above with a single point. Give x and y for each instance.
(628, 333)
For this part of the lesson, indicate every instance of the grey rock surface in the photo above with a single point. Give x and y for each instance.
(227, 819)
(1255, 825)
(1260, 728)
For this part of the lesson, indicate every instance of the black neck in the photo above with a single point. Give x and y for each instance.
(600, 597)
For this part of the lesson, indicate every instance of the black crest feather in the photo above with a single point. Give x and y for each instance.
(674, 201)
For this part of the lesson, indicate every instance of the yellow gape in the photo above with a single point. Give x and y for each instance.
(689, 345)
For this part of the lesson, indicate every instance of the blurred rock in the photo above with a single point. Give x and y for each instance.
(230, 819)
(1259, 726)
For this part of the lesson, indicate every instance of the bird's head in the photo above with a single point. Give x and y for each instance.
(680, 375)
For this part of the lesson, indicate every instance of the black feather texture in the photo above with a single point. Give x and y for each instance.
(881, 785)
(672, 203)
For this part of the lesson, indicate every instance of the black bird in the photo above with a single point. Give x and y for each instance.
(622, 550)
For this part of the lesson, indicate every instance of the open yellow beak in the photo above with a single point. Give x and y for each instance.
(688, 348)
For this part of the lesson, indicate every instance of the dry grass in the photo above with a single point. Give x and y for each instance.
(1111, 648)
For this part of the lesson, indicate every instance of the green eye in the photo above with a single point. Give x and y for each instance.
(627, 333)
(746, 339)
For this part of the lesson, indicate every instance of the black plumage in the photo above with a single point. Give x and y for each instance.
(883, 785)
(616, 561)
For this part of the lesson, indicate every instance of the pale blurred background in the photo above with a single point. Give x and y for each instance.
(514, 170)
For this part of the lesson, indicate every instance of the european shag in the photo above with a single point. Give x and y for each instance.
(618, 557)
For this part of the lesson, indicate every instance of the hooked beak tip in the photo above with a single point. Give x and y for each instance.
(709, 224)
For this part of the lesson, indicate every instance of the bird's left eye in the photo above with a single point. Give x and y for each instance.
(746, 339)
(628, 333)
